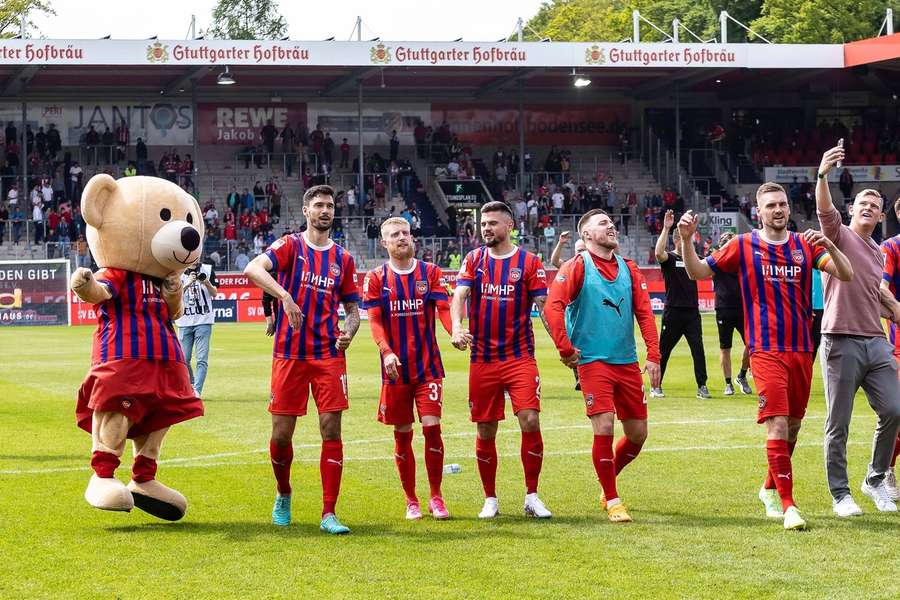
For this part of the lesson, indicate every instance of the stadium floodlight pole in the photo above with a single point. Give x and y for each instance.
(723, 24)
(677, 135)
(520, 88)
(636, 26)
(194, 127)
(359, 110)
(23, 160)
(675, 24)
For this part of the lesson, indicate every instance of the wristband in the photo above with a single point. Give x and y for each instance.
(821, 175)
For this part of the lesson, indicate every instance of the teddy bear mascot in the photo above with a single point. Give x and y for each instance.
(143, 232)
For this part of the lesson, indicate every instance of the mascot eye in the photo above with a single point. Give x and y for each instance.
(190, 218)
(165, 214)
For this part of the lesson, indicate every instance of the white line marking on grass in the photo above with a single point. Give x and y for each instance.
(195, 462)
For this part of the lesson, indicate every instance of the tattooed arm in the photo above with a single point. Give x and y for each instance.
(351, 325)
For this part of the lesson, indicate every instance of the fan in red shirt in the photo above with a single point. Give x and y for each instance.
(402, 297)
(774, 267)
(598, 290)
(315, 275)
(503, 282)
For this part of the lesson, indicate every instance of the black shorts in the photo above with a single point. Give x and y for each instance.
(728, 320)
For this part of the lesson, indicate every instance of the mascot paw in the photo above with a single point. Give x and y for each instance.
(158, 500)
(108, 493)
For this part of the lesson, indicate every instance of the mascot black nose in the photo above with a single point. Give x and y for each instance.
(190, 238)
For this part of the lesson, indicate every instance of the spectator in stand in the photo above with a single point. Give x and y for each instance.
(40, 142)
(352, 206)
(233, 200)
(91, 141)
(453, 168)
(244, 225)
(248, 202)
(4, 221)
(258, 244)
(46, 192)
(532, 206)
(260, 156)
(846, 185)
(259, 195)
(76, 175)
(345, 154)
(82, 253)
(289, 149)
(230, 232)
(12, 155)
(108, 142)
(394, 145)
(558, 201)
(373, 232)
(37, 216)
(140, 155)
(130, 170)
(241, 260)
(186, 172)
(123, 135)
(327, 150)
(268, 134)
(11, 133)
(211, 216)
(419, 136)
(273, 191)
(17, 216)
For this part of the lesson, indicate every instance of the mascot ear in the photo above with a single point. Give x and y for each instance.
(96, 195)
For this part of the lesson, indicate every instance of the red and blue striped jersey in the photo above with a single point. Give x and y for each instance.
(318, 278)
(135, 321)
(502, 290)
(891, 249)
(776, 288)
(409, 302)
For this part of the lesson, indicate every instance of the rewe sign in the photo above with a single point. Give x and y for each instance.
(241, 124)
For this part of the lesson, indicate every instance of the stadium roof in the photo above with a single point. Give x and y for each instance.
(119, 68)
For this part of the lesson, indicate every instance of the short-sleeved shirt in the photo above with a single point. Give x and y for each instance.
(776, 281)
(681, 290)
(408, 301)
(502, 291)
(728, 291)
(135, 321)
(318, 278)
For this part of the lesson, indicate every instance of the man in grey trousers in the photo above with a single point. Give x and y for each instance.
(855, 352)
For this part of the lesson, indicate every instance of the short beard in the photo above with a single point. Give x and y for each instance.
(776, 227)
(318, 227)
(492, 242)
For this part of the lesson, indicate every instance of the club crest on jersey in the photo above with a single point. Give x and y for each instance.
(762, 402)
(515, 275)
(797, 255)
(335, 269)
(589, 400)
(421, 287)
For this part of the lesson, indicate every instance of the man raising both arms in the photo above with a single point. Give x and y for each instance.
(314, 276)
(402, 296)
(598, 290)
(503, 281)
(774, 267)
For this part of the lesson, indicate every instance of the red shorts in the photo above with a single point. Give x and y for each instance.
(488, 381)
(613, 388)
(397, 399)
(293, 378)
(153, 394)
(782, 383)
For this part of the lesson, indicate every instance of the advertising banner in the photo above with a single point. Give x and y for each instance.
(545, 124)
(34, 292)
(157, 123)
(240, 123)
(379, 120)
(860, 173)
(422, 54)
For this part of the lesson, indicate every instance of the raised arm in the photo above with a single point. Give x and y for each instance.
(696, 268)
(556, 255)
(663, 239)
(831, 224)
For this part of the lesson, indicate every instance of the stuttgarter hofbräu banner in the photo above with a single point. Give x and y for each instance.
(424, 54)
(34, 292)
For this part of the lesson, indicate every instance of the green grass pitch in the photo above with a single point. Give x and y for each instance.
(699, 530)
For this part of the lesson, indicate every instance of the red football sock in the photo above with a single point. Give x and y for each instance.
(406, 463)
(770, 481)
(331, 466)
(434, 457)
(778, 454)
(281, 457)
(604, 464)
(143, 469)
(532, 453)
(896, 452)
(626, 451)
(104, 464)
(486, 456)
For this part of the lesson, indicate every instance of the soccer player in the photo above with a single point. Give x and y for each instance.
(597, 290)
(891, 282)
(774, 267)
(499, 282)
(556, 261)
(314, 275)
(681, 315)
(730, 318)
(855, 352)
(402, 297)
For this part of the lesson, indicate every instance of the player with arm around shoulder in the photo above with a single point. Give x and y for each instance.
(774, 267)
(405, 297)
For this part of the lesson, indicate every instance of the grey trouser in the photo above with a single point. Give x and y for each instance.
(848, 363)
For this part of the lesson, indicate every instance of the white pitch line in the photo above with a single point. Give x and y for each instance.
(198, 465)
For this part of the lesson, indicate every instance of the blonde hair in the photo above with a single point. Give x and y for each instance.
(768, 187)
(394, 221)
(869, 192)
